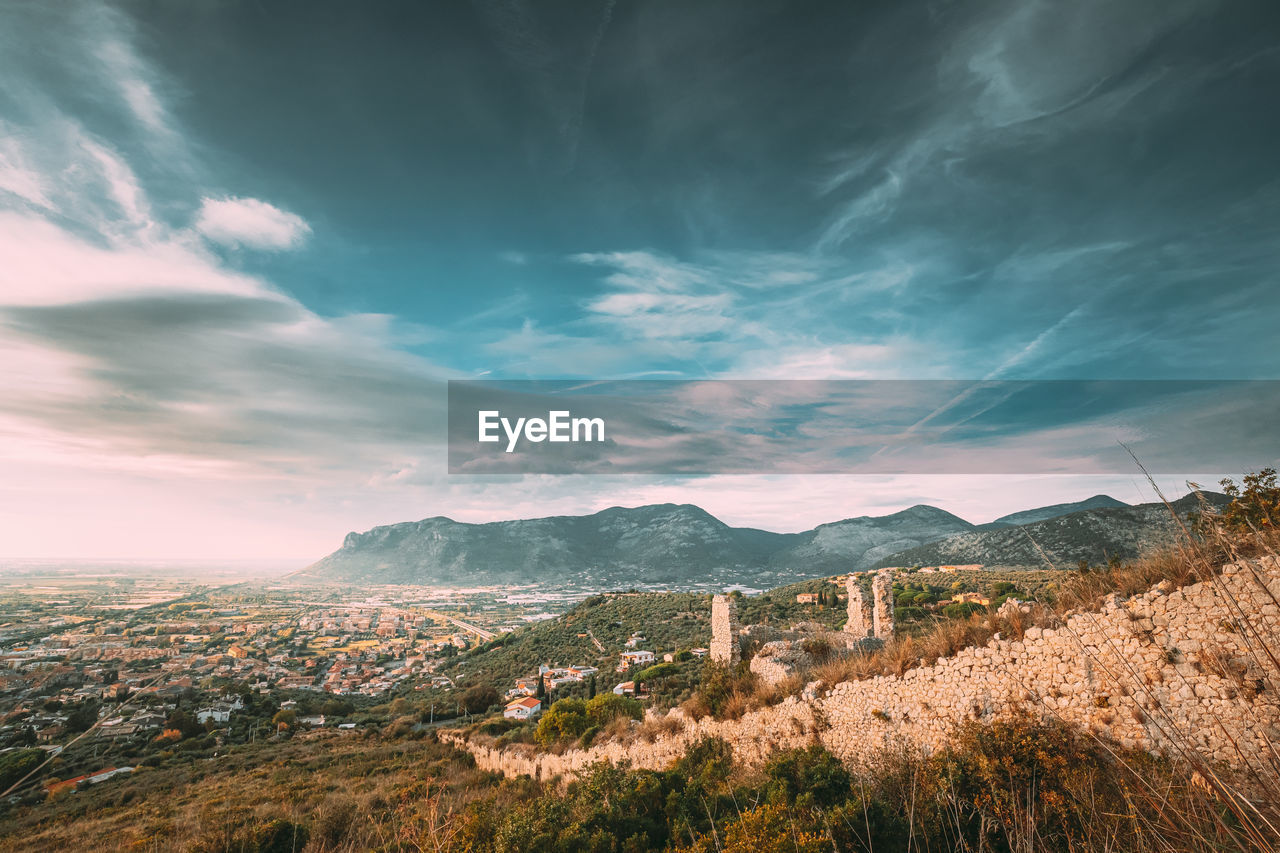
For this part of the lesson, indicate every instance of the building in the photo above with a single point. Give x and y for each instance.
(971, 598)
(807, 598)
(216, 714)
(628, 688)
(525, 687)
(638, 658)
(238, 651)
(522, 709)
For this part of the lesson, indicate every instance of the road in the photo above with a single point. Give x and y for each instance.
(466, 626)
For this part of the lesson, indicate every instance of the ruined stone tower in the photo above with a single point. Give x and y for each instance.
(882, 605)
(724, 630)
(857, 623)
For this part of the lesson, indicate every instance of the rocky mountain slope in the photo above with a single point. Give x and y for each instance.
(1091, 534)
(681, 544)
(1045, 512)
(664, 543)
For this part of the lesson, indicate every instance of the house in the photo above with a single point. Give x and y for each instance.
(238, 651)
(628, 688)
(524, 687)
(50, 734)
(971, 598)
(522, 709)
(55, 787)
(630, 659)
(699, 653)
(807, 598)
(217, 714)
(312, 720)
(147, 720)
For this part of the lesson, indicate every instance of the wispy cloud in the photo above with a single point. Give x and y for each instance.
(250, 222)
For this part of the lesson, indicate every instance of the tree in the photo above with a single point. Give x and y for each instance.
(608, 707)
(479, 698)
(591, 687)
(812, 777)
(184, 723)
(567, 718)
(84, 716)
(16, 764)
(1256, 506)
(287, 717)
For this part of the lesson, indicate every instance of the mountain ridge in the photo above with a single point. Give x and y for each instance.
(671, 543)
(1093, 535)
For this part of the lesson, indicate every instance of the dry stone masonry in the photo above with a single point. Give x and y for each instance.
(724, 630)
(882, 605)
(857, 624)
(1151, 670)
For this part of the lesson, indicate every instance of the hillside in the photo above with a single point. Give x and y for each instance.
(1027, 516)
(1095, 535)
(622, 547)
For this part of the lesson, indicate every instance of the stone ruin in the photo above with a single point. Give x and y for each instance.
(857, 624)
(880, 623)
(725, 647)
(882, 605)
(783, 653)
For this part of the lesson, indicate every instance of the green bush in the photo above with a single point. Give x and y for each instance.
(962, 609)
(607, 707)
(566, 719)
(661, 670)
(14, 765)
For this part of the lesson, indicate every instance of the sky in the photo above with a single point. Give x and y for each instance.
(244, 245)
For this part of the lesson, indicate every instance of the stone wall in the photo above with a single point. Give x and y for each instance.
(1148, 671)
(857, 622)
(882, 605)
(725, 647)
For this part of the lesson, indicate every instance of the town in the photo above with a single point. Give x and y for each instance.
(131, 672)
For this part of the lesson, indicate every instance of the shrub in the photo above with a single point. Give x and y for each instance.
(14, 765)
(1254, 507)
(479, 698)
(661, 670)
(566, 719)
(808, 777)
(962, 609)
(607, 707)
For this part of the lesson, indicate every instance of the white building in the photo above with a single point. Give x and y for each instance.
(522, 709)
(218, 714)
(638, 658)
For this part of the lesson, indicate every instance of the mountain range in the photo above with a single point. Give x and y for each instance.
(1095, 535)
(682, 544)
